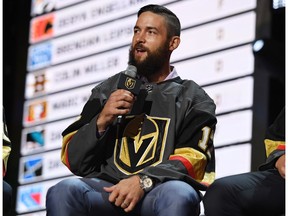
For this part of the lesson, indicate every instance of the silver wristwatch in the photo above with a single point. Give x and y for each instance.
(146, 183)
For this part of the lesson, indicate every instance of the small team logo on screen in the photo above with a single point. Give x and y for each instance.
(34, 141)
(42, 6)
(42, 28)
(30, 198)
(32, 168)
(37, 111)
(36, 84)
(39, 56)
(39, 85)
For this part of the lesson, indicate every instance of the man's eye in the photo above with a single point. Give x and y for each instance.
(136, 31)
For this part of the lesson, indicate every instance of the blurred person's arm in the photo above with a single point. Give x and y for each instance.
(6, 148)
(275, 145)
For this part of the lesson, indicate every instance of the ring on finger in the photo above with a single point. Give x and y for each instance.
(125, 205)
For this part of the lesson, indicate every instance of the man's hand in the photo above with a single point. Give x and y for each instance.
(126, 194)
(280, 165)
(120, 102)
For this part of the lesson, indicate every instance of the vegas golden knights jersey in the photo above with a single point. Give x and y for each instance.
(168, 135)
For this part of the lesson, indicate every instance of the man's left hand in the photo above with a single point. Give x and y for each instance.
(126, 194)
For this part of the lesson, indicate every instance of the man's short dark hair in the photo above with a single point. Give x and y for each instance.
(173, 23)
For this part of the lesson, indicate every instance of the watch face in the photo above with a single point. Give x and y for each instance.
(147, 182)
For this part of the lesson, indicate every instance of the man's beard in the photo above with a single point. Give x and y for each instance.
(152, 63)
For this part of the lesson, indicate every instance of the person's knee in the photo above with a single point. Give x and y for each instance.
(7, 197)
(7, 190)
(182, 193)
(64, 188)
(172, 198)
(218, 194)
(212, 192)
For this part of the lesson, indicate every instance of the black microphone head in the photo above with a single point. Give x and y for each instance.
(128, 80)
(131, 71)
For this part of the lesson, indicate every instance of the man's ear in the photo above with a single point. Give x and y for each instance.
(174, 43)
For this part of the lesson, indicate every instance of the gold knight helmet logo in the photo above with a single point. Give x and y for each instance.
(142, 143)
(130, 83)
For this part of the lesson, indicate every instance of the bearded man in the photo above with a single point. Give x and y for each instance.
(144, 153)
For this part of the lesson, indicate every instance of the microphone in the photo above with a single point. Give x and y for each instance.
(128, 81)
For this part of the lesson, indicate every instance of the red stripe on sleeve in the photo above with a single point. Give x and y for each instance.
(281, 147)
(186, 163)
(67, 161)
